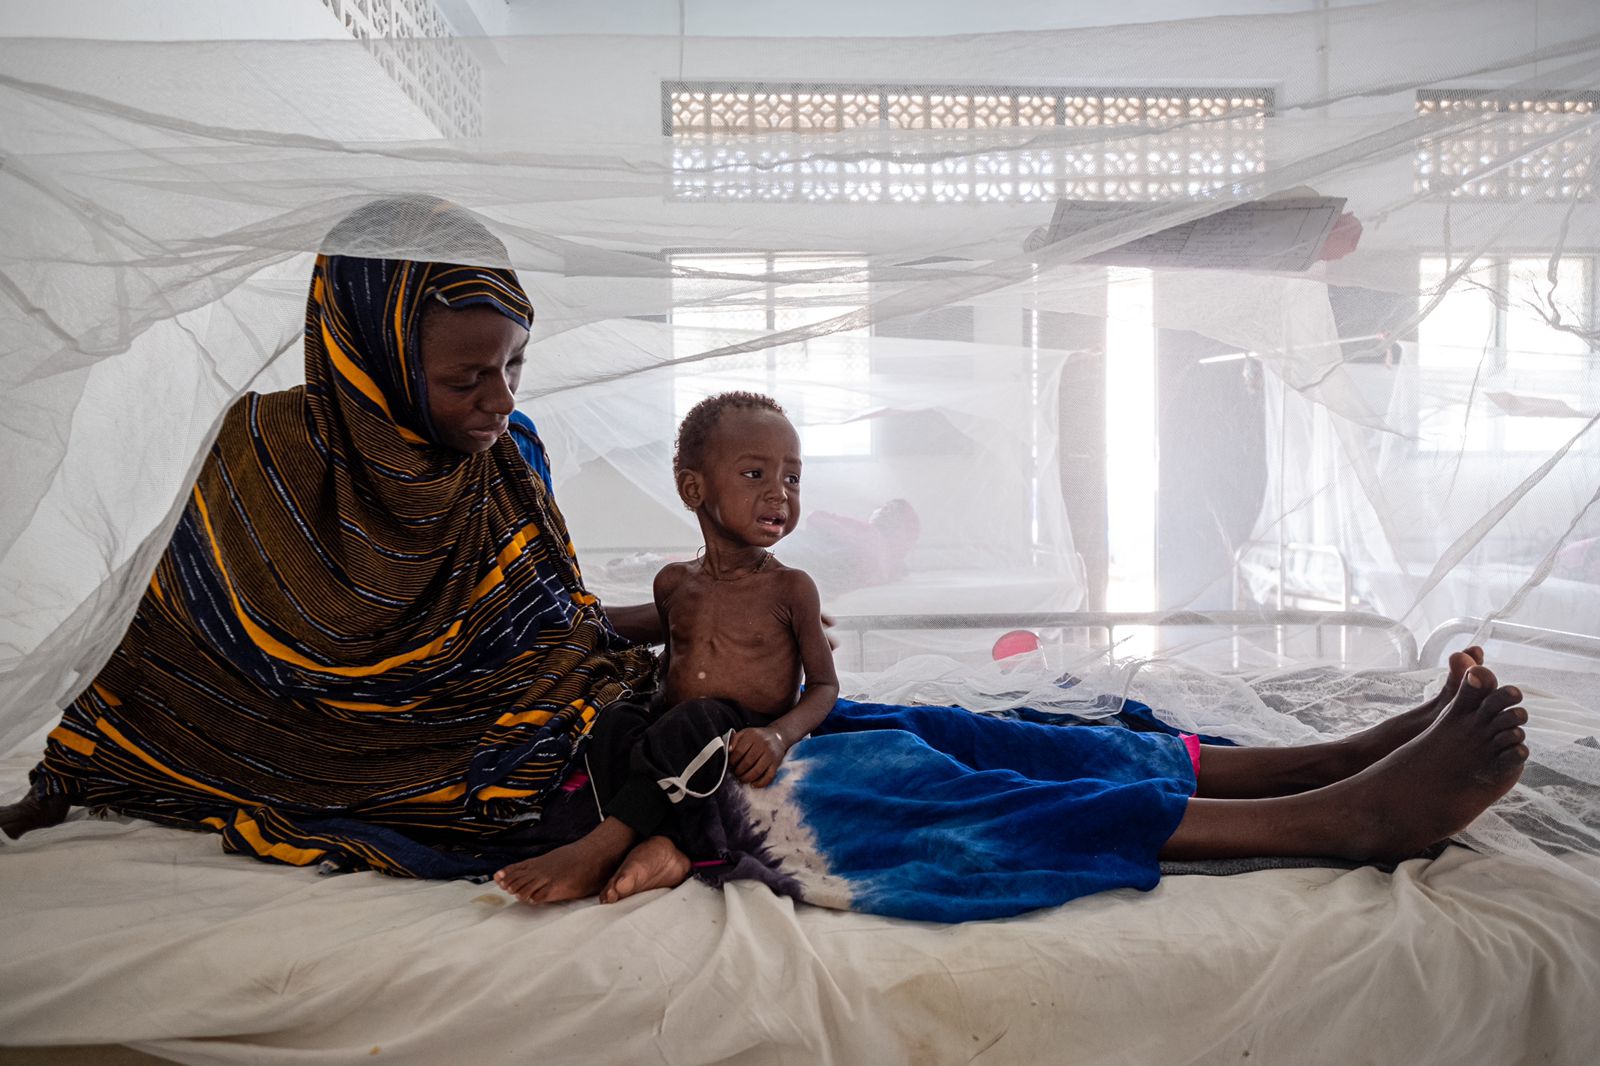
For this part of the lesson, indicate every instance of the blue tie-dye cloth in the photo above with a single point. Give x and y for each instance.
(940, 814)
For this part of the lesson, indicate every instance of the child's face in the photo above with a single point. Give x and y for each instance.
(748, 485)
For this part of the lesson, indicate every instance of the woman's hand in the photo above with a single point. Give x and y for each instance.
(755, 755)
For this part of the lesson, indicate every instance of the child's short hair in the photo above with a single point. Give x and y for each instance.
(703, 418)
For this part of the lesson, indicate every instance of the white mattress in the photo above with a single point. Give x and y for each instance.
(123, 932)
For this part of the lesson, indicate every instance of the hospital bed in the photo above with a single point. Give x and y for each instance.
(1322, 577)
(122, 933)
(1562, 650)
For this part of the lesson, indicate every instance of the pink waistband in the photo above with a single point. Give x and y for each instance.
(1192, 742)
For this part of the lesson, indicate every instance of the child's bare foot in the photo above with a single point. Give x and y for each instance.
(1362, 749)
(1435, 784)
(572, 871)
(656, 863)
(33, 812)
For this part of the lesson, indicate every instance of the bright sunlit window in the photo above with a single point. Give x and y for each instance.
(1131, 442)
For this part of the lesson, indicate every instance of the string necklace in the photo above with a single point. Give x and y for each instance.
(765, 555)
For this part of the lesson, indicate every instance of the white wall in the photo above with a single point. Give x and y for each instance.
(170, 20)
(853, 18)
(207, 20)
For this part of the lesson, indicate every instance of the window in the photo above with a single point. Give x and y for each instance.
(720, 300)
(741, 141)
(1507, 146)
(741, 109)
(1493, 348)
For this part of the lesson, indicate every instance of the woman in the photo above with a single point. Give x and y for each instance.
(368, 643)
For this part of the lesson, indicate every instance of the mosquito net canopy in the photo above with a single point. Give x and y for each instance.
(1240, 315)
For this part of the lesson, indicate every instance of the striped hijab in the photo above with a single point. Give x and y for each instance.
(358, 639)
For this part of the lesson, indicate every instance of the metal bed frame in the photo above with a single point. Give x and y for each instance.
(1434, 647)
(1578, 644)
(1109, 622)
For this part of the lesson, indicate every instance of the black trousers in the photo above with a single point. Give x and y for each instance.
(646, 763)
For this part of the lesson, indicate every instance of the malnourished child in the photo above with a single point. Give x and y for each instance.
(742, 631)
(742, 628)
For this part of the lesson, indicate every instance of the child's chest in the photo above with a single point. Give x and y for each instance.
(712, 617)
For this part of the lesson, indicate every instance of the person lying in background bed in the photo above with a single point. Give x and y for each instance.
(934, 792)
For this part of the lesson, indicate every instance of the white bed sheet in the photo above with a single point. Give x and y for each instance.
(124, 932)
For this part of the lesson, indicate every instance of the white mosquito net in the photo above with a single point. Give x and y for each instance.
(1248, 316)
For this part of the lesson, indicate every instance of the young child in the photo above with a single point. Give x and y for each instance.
(742, 629)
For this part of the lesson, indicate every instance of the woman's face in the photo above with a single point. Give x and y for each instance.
(472, 360)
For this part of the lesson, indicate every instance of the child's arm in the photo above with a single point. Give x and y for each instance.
(755, 759)
(667, 580)
(646, 623)
(816, 659)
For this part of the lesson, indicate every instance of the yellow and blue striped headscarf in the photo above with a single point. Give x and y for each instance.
(357, 638)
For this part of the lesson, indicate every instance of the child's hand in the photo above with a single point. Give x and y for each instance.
(755, 754)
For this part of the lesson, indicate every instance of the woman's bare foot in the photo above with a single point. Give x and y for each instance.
(1362, 749)
(33, 812)
(1435, 784)
(656, 863)
(1228, 772)
(1428, 788)
(572, 871)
